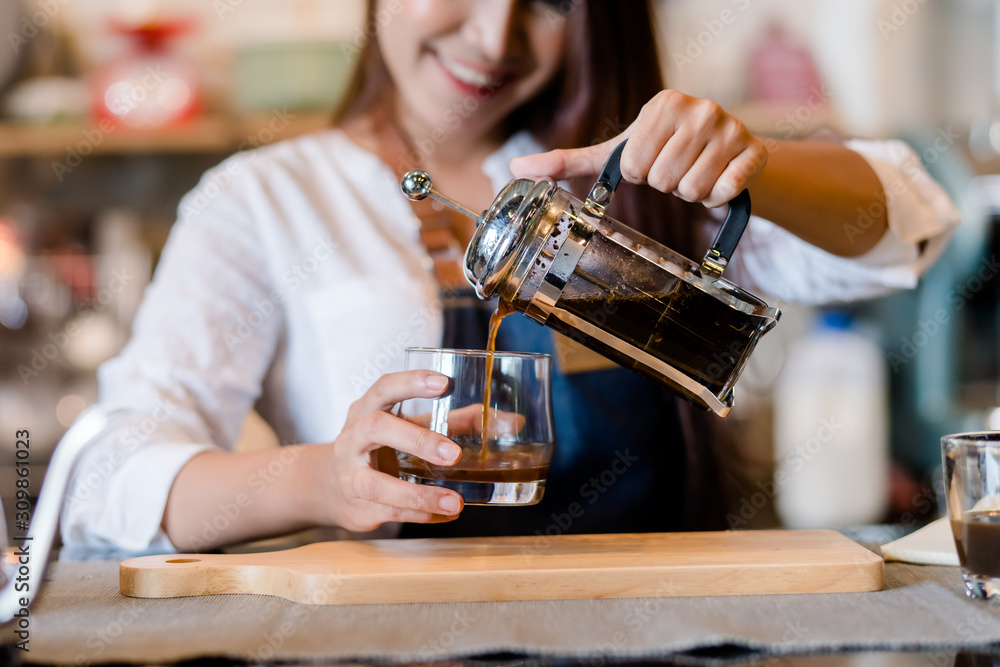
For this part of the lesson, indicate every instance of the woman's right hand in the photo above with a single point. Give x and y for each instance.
(356, 496)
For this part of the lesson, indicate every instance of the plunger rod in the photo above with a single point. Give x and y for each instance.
(417, 185)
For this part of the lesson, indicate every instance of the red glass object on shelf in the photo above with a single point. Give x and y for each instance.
(150, 87)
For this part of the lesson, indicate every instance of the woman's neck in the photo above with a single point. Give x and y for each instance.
(452, 160)
(441, 147)
(403, 152)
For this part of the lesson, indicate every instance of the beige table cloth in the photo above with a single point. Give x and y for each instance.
(81, 618)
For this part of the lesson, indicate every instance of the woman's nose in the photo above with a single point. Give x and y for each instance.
(494, 27)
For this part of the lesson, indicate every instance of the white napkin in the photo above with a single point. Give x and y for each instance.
(931, 545)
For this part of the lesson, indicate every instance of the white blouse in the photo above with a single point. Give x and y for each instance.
(294, 278)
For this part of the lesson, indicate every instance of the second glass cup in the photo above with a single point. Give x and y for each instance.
(506, 448)
(972, 488)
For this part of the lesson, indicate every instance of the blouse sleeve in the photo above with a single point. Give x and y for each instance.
(778, 265)
(201, 344)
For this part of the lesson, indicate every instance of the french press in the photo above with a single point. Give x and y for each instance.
(564, 263)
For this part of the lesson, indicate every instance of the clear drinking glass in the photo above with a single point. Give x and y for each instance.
(972, 487)
(506, 450)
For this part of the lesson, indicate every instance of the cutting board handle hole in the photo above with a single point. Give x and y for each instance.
(185, 560)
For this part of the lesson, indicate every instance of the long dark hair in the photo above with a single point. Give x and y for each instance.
(606, 78)
(611, 69)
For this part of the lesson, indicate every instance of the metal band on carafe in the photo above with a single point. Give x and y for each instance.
(581, 230)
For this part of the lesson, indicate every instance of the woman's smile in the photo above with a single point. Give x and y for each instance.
(472, 79)
(486, 58)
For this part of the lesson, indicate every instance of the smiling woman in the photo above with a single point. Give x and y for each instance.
(471, 91)
(440, 54)
(555, 76)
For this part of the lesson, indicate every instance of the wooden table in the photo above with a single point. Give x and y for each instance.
(81, 618)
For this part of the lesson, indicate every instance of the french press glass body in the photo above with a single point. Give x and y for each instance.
(566, 264)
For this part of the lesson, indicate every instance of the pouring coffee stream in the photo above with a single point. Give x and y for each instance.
(566, 264)
(417, 185)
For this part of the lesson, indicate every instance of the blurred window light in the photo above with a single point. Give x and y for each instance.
(174, 95)
(69, 408)
(13, 313)
(995, 136)
(12, 258)
(993, 421)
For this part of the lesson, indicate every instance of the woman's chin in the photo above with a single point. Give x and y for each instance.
(452, 123)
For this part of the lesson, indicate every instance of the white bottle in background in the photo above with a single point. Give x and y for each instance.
(831, 429)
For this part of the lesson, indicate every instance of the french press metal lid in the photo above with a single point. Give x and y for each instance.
(566, 264)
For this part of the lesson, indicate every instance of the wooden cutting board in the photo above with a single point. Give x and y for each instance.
(522, 568)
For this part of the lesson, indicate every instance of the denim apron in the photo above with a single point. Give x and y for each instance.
(619, 460)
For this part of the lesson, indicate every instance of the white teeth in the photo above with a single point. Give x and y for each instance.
(466, 74)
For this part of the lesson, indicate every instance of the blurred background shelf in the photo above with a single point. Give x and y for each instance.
(209, 134)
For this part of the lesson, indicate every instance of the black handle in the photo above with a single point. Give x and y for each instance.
(612, 173)
(718, 256)
(732, 229)
(604, 187)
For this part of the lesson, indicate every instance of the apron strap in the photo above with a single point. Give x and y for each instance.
(436, 220)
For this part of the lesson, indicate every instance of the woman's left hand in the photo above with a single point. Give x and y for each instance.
(679, 144)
